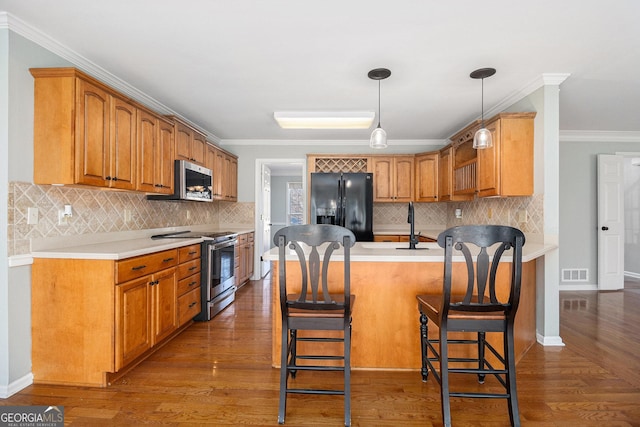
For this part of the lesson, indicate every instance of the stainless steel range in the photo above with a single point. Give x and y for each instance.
(218, 287)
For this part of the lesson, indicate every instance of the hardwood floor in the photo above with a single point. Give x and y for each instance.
(218, 373)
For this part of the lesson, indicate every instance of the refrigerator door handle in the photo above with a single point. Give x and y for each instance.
(339, 202)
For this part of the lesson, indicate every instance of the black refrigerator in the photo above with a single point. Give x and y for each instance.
(344, 199)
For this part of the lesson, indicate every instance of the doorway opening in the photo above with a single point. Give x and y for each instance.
(281, 199)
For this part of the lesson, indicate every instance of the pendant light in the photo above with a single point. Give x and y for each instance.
(482, 138)
(378, 136)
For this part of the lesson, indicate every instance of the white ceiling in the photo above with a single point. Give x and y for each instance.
(228, 65)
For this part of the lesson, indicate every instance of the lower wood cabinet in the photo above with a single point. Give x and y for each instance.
(244, 258)
(92, 320)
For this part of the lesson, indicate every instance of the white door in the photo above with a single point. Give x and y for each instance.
(610, 222)
(265, 266)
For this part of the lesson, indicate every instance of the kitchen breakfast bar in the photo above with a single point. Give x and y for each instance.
(386, 280)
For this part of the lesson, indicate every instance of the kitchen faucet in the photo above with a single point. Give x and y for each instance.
(413, 239)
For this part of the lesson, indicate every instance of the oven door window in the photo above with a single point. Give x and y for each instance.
(222, 265)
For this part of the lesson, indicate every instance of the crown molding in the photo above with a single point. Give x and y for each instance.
(545, 79)
(31, 33)
(599, 136)
(324, 142)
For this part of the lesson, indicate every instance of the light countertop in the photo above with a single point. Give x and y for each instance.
(427, 252)
(122, 246)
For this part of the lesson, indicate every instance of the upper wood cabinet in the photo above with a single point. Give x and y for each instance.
(190, 144)
(506, 169)
(84, 133)
(155, 153)
(225, 173)
(393, 178)
(426, 181)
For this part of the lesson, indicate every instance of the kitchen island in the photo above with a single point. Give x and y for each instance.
(386, 281)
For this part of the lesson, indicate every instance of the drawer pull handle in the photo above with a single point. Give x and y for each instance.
(194, 268)
(192, 283)
(140, 267)
(192, 304)
(167, 259)
(193, 253)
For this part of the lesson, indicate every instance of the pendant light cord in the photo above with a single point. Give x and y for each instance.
(379, 112)
(482, 106)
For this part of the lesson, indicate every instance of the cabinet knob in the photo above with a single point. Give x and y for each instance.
(108, 178)
(605, 228)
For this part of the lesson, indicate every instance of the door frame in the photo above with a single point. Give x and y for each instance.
(259, 232)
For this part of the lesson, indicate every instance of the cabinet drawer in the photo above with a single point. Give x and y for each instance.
(188, 306)
(242, 239)
(188, 268)
(139, 266)
(188, 283)
(188, 253)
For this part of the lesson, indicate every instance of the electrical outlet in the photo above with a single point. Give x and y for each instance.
(127, 216)
(62, 218)
(489, 213)
(32, 216)
(521, 216)
(188, 214)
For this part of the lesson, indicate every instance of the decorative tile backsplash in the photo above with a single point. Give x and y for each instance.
(525, 213)
(103, 211)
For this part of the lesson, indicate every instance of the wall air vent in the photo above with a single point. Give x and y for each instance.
(575, 275)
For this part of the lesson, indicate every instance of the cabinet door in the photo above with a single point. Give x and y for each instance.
(219, 178)
(403, 179)
(92, 134)
(383, 179)
(164, 304)
(183, 142)
(232, 179)
(198, 145)
(147, 148)
(427, 178)
(122, 170)
(164, 158)
(445, 174)
(489, 164)
(133, 323)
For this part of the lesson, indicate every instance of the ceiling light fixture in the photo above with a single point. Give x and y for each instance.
(324, 119)
(378, 136)
(482, 138)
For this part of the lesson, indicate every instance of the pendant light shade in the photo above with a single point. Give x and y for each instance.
(482, 138)
(378, 136)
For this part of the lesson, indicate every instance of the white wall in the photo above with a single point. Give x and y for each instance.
(579, 204)
(17, 55)
(632, 218)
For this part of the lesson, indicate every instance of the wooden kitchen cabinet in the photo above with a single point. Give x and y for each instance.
(393, 178)
(189, 303)
(244, 258)
(84, 133)
(189, 143)
(426, 181)
(155, 153)
(140, 324)
(225, 173)
(506, 169)
(92, 320)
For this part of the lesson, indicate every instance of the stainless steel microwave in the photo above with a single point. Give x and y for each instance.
(191, 182)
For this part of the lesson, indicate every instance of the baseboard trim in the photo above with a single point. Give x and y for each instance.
(580, 287)
(550, 341)
(16, 386)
